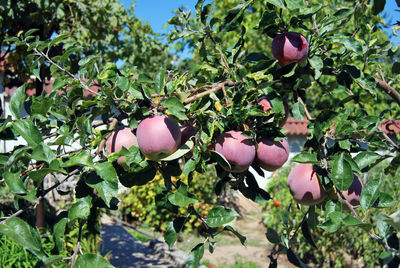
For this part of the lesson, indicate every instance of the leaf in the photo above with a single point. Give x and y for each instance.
(385, 200)
(220, 215)
(329, 226)
(273, 236)
(105, 182)
(28, 131)
(220, 160)
(342, 174)
(181, 197)
(307, 234)
(58, 233)
(294, 258)
(43, 152)
(306, 157)
(80, 209)
(81, 159)
(38, 175)
(25, 235)
(17, 101)
(159, 80)
(195, 256)
(370, 193)
(92, 260)
(298, 111)
(277, 3)
(173, 229)
(241, 237)
(14, 182)
(295, 4)
(184, 149)
(175, 107)
(87, 60)
(123, 83)
(190, 166)
(317, 63)
(364, 159)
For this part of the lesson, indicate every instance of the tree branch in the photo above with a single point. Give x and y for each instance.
(213, 88)
(40, 53)
(78, 246)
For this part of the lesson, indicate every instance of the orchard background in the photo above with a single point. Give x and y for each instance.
(83, 69)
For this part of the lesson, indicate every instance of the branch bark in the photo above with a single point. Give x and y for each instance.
(213, 88)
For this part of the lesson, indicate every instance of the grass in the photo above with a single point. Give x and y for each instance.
(239, 263)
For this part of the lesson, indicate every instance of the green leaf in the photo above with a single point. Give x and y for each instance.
(43, 152)
(295, 4)
(181, 198)
(396, 67)
(38, 175)
(172, 232)
(298, 111)
(385, 200)
(350, 220)
(370, 193)
(25, 235)
(342, 174)
(28, 131)
(241, 237)
(81, 159)
(273, 236)
(307, 234)
(294, 258)
(330, 226)
(159, 80)
(123, 83)
(58, 233)
(80, 209)
(220, 215)
(184, 149)
(190, 166)
(364, 159)
(17, 101)
(277, 3)
(306, 157)
(92, 260)
(220, 160)
(14, 182)
(317, 63)
(107, 182)
(350, 43)
(337, 216)
(87, 60)
(195, 256)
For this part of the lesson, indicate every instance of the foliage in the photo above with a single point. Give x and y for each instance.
(139, 204)
(346, 88)
(349, 247)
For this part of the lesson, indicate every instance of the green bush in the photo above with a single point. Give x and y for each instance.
(346, 248)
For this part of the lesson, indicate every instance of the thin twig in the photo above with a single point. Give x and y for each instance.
(388, 89)
(78, 246)
(40, 53)
(302, 221)
(213, 88)
(299, 99)
(40, 197)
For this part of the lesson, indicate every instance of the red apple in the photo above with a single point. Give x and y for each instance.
(121, 137)
(238, 150)
(290, 47)
(158, 136)
(305, 186)
(271, 155)
(354, 192)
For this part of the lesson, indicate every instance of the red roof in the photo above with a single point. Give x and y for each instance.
(299, 126)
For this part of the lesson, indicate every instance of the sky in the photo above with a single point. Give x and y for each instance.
(158, 12)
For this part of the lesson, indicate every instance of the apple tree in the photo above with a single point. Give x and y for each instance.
(326, 61)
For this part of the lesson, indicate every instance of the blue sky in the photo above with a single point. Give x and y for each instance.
(158, 12)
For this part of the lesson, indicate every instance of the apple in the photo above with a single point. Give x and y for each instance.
(238, 150)
(266, 106)
(158, 136)
(121, 137)
(271, 155)
(289, 47)
(187, 130)
(353, 193)
(305, 186)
